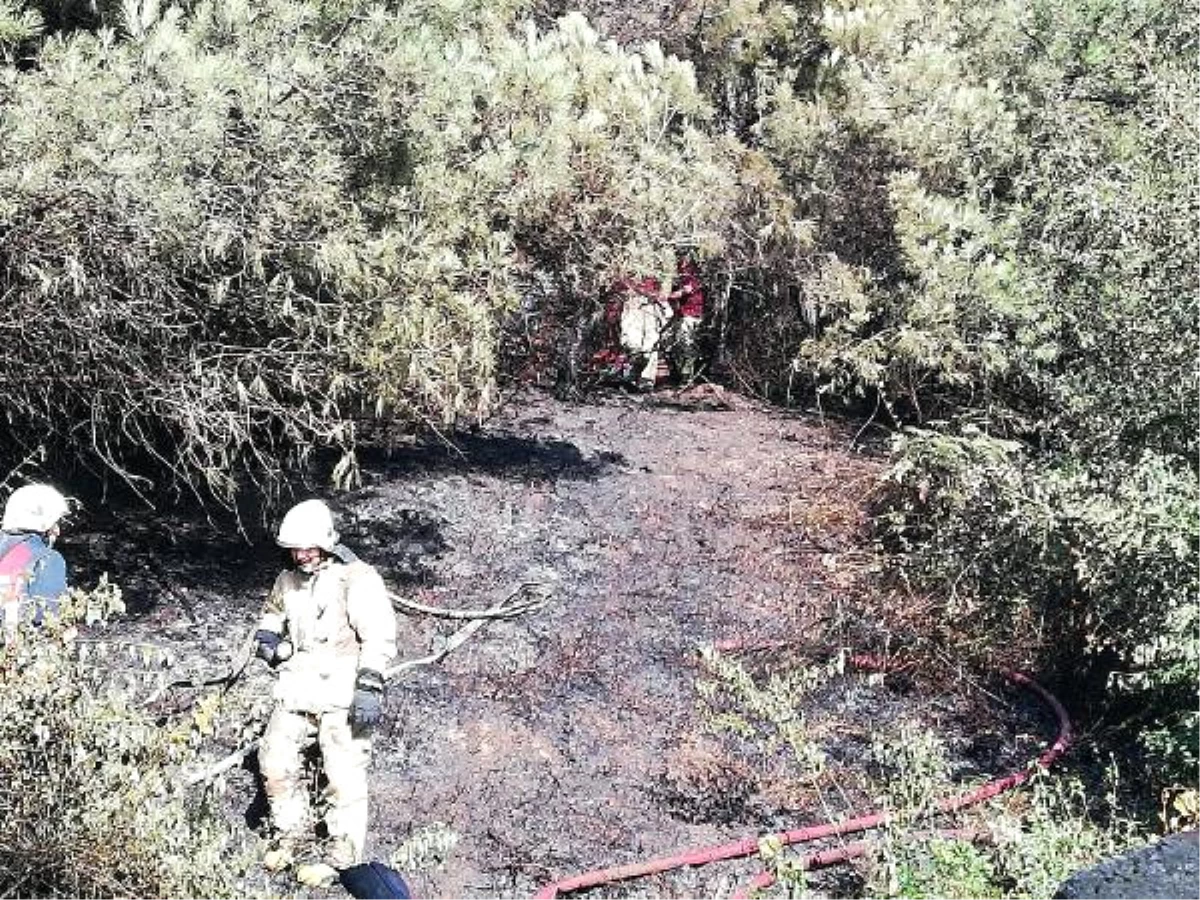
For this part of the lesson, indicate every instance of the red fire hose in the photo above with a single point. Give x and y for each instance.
(750, 846)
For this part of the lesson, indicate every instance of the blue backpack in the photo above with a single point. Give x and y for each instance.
(374, 881)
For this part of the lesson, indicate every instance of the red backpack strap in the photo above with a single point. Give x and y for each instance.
(15, 567)
(16, 558)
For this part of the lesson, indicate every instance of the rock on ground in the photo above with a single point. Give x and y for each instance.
(1169, 868)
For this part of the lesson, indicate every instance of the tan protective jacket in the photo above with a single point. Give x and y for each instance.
(339, 620)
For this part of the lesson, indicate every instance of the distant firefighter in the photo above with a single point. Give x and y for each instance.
(687, 301)
(645, 314)
(645, 327)
(33, 575)
(329, 629)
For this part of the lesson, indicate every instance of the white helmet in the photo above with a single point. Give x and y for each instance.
(34, 507)
(308, 524)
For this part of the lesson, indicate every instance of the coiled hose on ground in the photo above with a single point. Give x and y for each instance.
(749, 846)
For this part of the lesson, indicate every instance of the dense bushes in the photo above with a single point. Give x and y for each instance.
(1029, 855)
(93, 802)
(232, 232)
(1033, 306)
(1063, 566)
(1001, 204)
(17, 24)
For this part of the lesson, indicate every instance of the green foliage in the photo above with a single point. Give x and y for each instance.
(232, 232)
(754, 60)
(158, 298)
(1090, 563)
(1031, 845)
(933, 868)
(1110, 224)
(768, 716)
(749, 51)
(958, 510)
(93, 803)
(945, 309)
(528, 155)
(787, 867)
(1028, 297)
(914, 772)
(17, 24)
(1061, 832)
(1041, 197)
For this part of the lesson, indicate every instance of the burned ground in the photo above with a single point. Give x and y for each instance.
(579, 736)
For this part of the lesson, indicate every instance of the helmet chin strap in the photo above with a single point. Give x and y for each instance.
(311, 568)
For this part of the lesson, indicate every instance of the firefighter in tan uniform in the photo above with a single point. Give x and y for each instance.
(645, 314)
(330, 631)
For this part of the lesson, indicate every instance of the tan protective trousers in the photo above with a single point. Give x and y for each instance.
(344, 758)
(643, 320)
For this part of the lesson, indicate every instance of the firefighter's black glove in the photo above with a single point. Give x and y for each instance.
(367, 709)
(272, 647)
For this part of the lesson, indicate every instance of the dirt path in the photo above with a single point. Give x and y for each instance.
(547, 743)
(576, 737)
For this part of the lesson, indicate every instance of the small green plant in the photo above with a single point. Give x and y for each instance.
(17, 24)
(924, 867)
(914, 769)
(768, 715)
(913, 774)
(1023, 856)
(1060, 834)
(786, 865)
(426, 849)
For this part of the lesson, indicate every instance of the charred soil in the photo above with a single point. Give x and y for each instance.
(580, 735)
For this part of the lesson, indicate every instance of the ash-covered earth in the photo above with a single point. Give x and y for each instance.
(580, 735)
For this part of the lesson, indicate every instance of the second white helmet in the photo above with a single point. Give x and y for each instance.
(308, 524)
(34, 507)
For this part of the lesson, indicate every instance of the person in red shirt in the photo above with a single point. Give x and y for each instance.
(641, 320)
(645, 314)
(611, 362)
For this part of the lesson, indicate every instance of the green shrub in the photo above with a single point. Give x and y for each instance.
(913, 769)
(767, 716)
(17, 24)
(1086, 567)
(917, 868)
(1030, 844)
(275, 221)
(93, 804)
(1062, 831)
